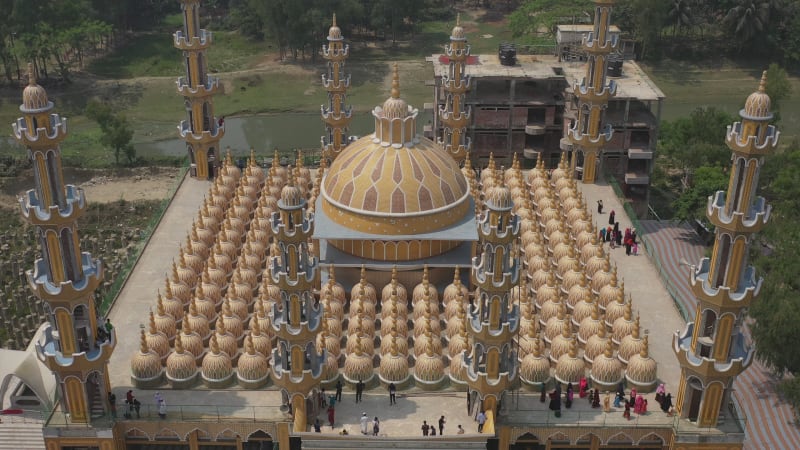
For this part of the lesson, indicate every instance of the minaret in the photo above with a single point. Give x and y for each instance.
(64, 277)
(712, 350)
(587, 133)
(201, 130)
(492, 322)
(297, 368)
(455, 114)
(336, 114)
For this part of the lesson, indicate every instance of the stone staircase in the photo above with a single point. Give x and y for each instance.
(16, 434)
(312, 441)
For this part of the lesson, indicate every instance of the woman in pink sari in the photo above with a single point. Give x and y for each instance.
(582, 387)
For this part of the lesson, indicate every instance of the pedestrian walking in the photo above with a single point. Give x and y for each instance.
(376, 426)
(611, 217)
(331, 415)
(392, 394)
(364, 423)
(339, 391)
(359, 390)
(441, 425)
(481, 421)
(425, 428)
(666, 404)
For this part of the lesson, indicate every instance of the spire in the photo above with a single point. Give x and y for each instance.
(32, 75)
(762, 86)
(396, 81)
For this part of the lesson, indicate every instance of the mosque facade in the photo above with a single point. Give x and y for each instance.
(395, 262)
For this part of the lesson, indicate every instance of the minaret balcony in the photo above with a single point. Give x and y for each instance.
(47, 350)
(38, 214)
(282, 373)
(486, 279)
(215, 134)
(334, 120)
(330, 85)
(740, 357)
(334, 53)
(460, 149)
(535, 129)
(588, 142)
(210, 87)
(754, 221)
(296, 235)
(193, 43)
(455, 52)
(722, 296)
(482, 331)
(749, 144)
(455, 120)
(592, 44)
(457, 86)
(40, 137)
(590, 94)
(66, 291)
(480, 381)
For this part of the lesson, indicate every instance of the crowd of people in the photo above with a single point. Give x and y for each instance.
(635, 401)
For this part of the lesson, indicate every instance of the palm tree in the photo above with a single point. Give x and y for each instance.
(680, 14)
(749, 18)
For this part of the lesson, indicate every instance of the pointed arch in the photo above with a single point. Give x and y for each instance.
(651, 438)
(168, 434)
(258, 435)
(227, 434)
(136, 433)
(620, 438)
(201, 434)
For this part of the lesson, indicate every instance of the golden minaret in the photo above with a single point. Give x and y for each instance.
(587, 133)
(201, 130)
(297, 368)
(336, 114)
(712, 350)
(64, 277)
(493, 322)
(455, 114)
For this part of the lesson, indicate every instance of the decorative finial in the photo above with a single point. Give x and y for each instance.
(396, 82)
(178, 344)
(214, 344)
(334, 20)
(762, 86)
(458, 19)
(609, 350)
(32, 75)
(143, 343)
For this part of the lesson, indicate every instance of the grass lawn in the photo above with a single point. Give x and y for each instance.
(726, 87)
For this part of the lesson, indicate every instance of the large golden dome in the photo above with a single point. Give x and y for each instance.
(395, 182)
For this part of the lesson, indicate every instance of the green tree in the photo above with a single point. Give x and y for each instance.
(541, 16)
(647, 18)
(778, 88)
(692, 203)
(116, 132)
(748, 19)
(679, 15)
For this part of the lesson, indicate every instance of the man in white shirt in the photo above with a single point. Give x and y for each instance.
(364, 423)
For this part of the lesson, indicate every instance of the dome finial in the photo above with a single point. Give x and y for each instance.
(143, 343)
(762, 86)
(458, 19)
(32, 75)
(396, 81)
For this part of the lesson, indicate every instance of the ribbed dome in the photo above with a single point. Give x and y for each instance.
(364, 288)
(334, 32)
(261, 340)
(454, 290)
(164, 322)
(145, 364)
(400, 342)
(631, 344)
(156, 340)
(172, 306)
(252, 365)
(34, 97)
(606, 369)
(615, 309)
(394, 287)
(758, 104)
(457, 34)
(623, 326)
(595, 345)
(192, 342)
(535, 366)
(291, 195)
(457, 344)
(180, 364)
(216, 364)
(336, 289)
(642, 368)
(394, 182)
(561, 344)
(358, 364)
(232, 322)
(591, 325)
(570, 368)
(425, 340)
(394, 364)
(458, 371)
(429, 366)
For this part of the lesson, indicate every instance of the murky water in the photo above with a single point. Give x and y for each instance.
(267, 132)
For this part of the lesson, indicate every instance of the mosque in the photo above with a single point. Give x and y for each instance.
(395, 262)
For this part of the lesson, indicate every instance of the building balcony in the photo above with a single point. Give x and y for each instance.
(335, 86)
(748, 143)
(591, 43)
(209, 88)
(193, 43)
(754, 221)
(66, 291)
(215, 134)
(334, 53)
(535, 129)
(41, 137)
(637, 178)
(640, 152)
(722, 296)
(47, 350)
(38, 214)
(739, 358)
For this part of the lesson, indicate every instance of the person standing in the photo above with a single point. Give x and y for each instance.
(570, 396)
(137, 405)
(481, 421)
(112, 402)
(600, 206)
(162, 409)
(331, 415)
(359, 390)
(392, 394)
(376, 426)
(425, 428)
(158, 397)
(441, 425)
(666, 404)
(317, 426)
(364, 423)
(339, 391)
(617, 234)
(108, 326)
(611, 216)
